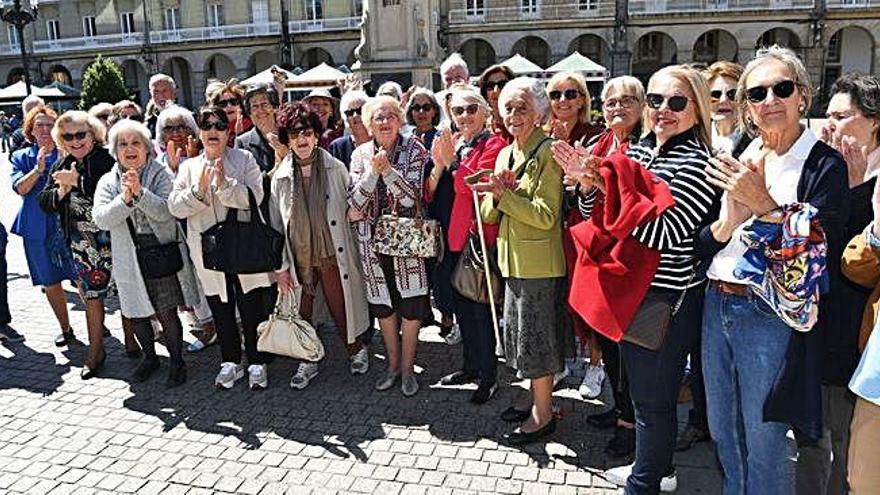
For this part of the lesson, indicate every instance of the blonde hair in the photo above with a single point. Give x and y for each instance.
(79, 118)
(700, 92)
(376, 103)
(797, 71)
(723, 68)
(581, 83)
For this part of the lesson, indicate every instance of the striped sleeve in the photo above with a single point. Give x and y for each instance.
(586, 201)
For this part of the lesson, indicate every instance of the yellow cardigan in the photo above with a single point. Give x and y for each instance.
(530, 232)
(861, 264)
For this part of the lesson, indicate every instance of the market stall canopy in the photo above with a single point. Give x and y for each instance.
(579, 63)
(265, 77)
(522, 66)
(321, 76)
(54, 91)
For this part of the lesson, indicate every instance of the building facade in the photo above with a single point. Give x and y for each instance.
(194, 40)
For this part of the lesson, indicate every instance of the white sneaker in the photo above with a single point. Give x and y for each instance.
(618, 476)
(360, 362)
(229, 374)
(594, 377)
(562, 375)
(258, 377)
(454, 335)
(304, 374)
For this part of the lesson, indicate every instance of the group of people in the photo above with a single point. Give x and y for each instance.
(702, 227)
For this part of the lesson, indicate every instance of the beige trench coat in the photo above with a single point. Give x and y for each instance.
(347, 255)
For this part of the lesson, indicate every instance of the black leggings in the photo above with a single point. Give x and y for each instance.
(617, 377)
(172, 329)
(254, 307)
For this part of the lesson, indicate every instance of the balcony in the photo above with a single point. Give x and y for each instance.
(119, 40)
(321, 25)
(10, 49)
(660, 7)
(215, 33)
(852, 4)
(584, 9)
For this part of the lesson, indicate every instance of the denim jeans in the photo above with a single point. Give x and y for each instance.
(5, 317)
(744, 344)
(654, 379)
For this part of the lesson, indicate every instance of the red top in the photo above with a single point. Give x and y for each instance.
(462, 220)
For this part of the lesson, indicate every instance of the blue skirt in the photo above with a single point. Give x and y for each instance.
(39, 259)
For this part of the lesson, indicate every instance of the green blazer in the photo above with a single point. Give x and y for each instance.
(530, 234)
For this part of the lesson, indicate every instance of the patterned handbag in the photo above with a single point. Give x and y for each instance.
(407, 237)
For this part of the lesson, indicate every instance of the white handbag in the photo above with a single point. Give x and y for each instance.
(287, 334)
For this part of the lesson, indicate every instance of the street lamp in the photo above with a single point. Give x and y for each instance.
(20, 16)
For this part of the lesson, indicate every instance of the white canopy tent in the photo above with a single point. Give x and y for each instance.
(576, 62)
(522, 66)
(265, 77)
(18, 91)
(320, 76)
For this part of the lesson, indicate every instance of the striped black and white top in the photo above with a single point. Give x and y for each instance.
(681, 162)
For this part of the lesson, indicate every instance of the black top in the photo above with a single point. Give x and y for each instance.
(341, 148)
(256, 144)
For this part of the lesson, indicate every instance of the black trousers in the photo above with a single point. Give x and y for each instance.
(254, 307)
(477, 334)
(617, 377)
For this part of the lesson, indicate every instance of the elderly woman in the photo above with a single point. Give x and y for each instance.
(525, 200)
(229, 97)
(103, 112)
(675, 151)
(727, 137)
(324, 104)
(492, 81)
(206, 187)
(386, 176)
(126, 109)
(69, 193)
(310, 204)
(569, 108)
(471, 151)
(48, 254)
(176, 137)
(746, 341)
(351, 105)
(623, 104)
(131, 204)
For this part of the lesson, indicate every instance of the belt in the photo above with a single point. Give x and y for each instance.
(741, 290)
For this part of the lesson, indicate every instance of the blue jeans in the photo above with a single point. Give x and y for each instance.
(744, 344)
(654, 379)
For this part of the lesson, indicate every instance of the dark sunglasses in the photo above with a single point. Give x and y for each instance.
(175, 128)
(301, 131)
(675, 103)
(716, 94)
(74, 136)
(569, 94)
(136, 118)
(427, 107)
(351, 112)
(231, 102)
(782, 89)
(495, 85)
(217, 124)
(470, 109)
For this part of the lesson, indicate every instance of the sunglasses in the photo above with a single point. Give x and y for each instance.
(716, 94)
(470, 109)
(216, 125)
(74, 136)
(136, 118)
(782, 89)
(231, 102)
(569, 94)
(676, 103)
(496, 85)
(175, 128)
(351, 112)
(301, 132)
(427, 107)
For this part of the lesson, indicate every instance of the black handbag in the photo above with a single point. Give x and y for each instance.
(650, 324)
(242, 247)
(157, 261)
(469, 276)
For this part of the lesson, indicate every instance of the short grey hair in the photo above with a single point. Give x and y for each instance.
(174, 112)
(377, 103)
(162, 78)
(627, 84)
(453, 61)
(797, 71)
(353, 97)
(390, 88)
(130, 126)
(529, 88)
(469, 94)
(30, 102)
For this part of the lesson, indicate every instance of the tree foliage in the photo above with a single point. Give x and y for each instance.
(102, 82)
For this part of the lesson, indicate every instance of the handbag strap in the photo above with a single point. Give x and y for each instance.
(534, 152)
(680, 300)
(132, 231)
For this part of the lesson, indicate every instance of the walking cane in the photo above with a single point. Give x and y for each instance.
(473, 179)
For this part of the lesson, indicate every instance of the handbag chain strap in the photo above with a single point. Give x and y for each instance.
(681, 296)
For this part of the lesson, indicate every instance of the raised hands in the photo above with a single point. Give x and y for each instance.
(856, 156)
(380, 163)
(443, 148)
(42, 154)
(131, 185)
(219, 172)
(744, 181)
(578, 165)
(174, 156)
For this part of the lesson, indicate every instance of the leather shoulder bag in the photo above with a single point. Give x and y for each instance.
(650, 325)
(157, 261)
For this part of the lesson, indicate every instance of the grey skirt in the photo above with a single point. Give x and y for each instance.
(536, 336)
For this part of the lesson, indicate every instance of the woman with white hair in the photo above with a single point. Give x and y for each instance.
(351, 106)
(176, 137)
(131, 204)
(524, 198)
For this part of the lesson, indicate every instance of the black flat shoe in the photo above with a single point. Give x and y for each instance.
(603, 421)
(89, 373)
(65, 338)
(514, 415)
(144, 370)
(176, 376)
(458, 378)
(522, 438)
(484, 392)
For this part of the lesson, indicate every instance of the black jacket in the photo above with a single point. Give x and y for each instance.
(254, 142)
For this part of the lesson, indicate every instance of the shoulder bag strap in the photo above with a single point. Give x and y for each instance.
(132, 231)
(681, 296)
(534, 152)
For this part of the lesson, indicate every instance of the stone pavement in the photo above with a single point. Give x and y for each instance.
(59, 434)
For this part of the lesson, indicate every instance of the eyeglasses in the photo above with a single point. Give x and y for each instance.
(676, 103)
(215, 124)
(730, 93)
(385, 117)
(231, 102)
(74, 136)
(470, 109)
(175, 128)
(351, 112)
(427, 107)
(301, 132)
(495, 85)
(623, 102)
(782, 89)
(569, 94)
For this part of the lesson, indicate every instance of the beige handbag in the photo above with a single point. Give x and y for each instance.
(285, 333)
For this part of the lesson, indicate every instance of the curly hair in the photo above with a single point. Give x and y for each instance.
(297, 115)
(31, 118)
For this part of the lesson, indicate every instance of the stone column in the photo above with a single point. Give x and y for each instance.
(621, 56)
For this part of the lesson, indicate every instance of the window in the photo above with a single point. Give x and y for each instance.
(834, 49)
(52, 29)
(260, 12)
(89, 26)
(357, 8)
(171, 19)
(588, 4)
(126, 22)
(529, 6)
(313, 10)
(475, 8)
(650, 46)
(215, 15)
(13, 35)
